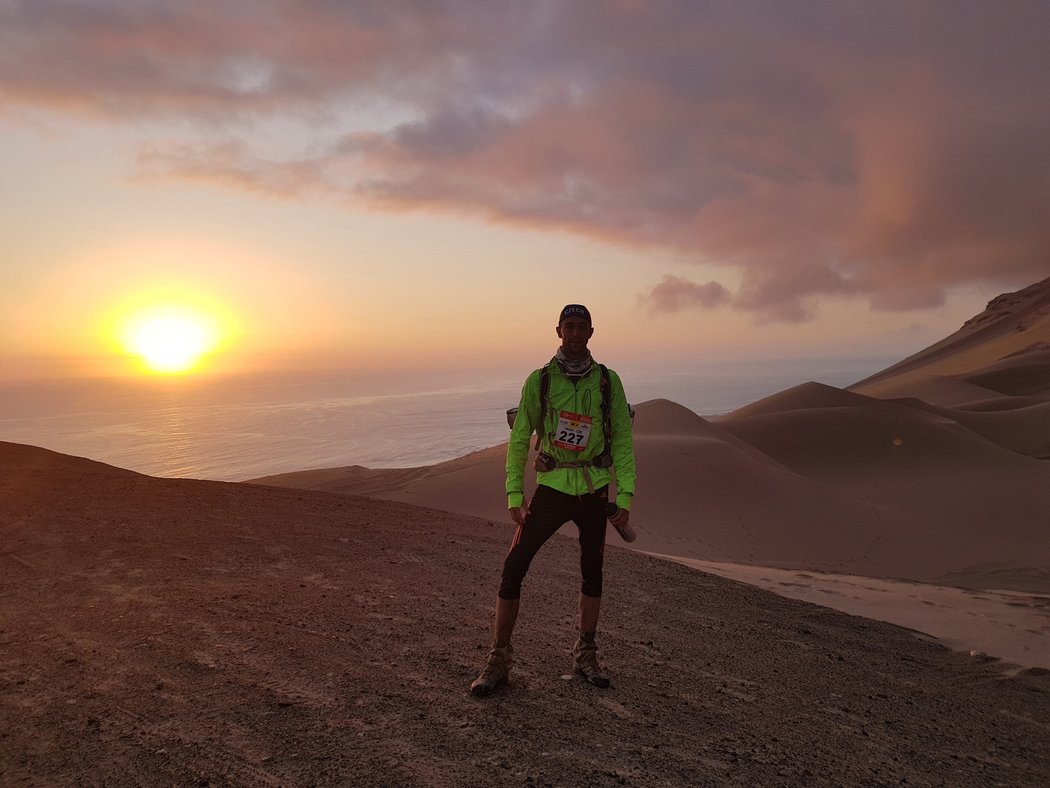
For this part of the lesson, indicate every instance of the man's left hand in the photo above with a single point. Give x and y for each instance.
(621, 522)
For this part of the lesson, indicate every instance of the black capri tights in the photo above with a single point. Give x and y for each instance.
(549, 510)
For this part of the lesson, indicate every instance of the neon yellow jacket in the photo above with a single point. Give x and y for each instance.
(584, 398)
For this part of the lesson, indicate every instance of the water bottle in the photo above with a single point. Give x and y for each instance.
(626, 532)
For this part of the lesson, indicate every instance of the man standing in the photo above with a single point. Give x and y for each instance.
(580, 415)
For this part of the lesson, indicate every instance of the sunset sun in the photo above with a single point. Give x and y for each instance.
(170, 340)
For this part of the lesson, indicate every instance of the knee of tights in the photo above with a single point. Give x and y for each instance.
(510, 583)
(591, 587)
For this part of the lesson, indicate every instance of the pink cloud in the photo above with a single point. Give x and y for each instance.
(232, 165)
(673, 293)
(883, 151)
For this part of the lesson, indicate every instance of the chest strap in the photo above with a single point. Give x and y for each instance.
(584, 466)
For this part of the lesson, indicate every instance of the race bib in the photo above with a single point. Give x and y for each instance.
(574, 431)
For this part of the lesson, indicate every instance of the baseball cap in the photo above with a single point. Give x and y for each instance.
(574, 310)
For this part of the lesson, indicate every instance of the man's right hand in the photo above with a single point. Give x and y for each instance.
(518, 514)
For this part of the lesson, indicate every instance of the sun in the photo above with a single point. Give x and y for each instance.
(170, 340)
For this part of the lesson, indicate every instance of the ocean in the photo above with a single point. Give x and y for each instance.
(238, 428)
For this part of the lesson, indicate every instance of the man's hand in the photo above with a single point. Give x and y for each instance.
(621, 518)
(518, 514)
(621, 522)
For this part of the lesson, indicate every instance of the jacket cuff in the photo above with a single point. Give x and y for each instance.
(515, 500)
(623, 500)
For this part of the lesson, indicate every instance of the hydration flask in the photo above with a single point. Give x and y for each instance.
(626, 532)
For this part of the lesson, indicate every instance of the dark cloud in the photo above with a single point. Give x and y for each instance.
(880, 150)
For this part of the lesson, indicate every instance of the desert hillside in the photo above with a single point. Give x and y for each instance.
(1008, 340)
(190, 632)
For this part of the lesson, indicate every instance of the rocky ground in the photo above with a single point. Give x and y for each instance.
(183, 632)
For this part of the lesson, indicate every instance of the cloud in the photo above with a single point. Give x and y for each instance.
(884, 151)
(231, 164)
(673, 293)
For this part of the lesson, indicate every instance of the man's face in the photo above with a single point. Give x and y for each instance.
(574, 333)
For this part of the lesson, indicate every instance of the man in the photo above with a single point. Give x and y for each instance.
(584, 432)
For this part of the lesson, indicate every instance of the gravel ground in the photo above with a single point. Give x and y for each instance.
(186, 632)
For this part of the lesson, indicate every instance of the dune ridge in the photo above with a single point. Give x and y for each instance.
(1011, 323)
(17, 459)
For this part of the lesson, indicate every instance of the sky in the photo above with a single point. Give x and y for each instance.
(375, 185)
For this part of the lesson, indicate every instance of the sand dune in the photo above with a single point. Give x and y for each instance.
(471, 485)
(805, 396)
(170, 631)
(663, 417)
(1013, 425)
(712, 495)
(955, 506)
(1012, 323)
(700, 500)
(1017, 375)
(936, 389)
(876, 489)
(1014, 379)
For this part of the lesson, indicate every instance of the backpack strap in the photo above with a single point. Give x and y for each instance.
(545, 385)
(606, 390)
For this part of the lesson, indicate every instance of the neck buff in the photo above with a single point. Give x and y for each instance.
(572, 367)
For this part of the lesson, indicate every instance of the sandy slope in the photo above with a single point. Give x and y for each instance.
(1012, 625)
(812, 478)
(721, 518)
(1013, 323)
(955, 505)
(186, 632)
